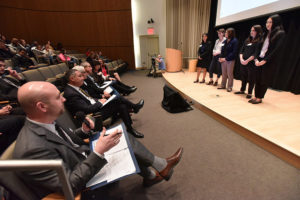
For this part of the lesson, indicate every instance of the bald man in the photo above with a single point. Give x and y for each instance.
(42, 138)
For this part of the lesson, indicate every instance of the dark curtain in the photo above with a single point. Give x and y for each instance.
(286, 74)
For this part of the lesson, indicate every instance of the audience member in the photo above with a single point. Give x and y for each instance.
(203, 57)
(63, 57)
(227, 59)
(5, 53)
(13, 46)
(79, 100)
(247, 54)
(22, 62)
(118, 85)
(43, 138)
(266, 56)
(95, 91)
(215, 65)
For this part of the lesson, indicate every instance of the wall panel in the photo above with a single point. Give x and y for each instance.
(98, 24)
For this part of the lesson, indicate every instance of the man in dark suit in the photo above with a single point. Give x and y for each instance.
(42, 138)
(79, 100)
(9, 86)
(21, 61)
(96, 91)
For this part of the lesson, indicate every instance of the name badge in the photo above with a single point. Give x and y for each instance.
(200, 45)
(222, 45)
(249, 44)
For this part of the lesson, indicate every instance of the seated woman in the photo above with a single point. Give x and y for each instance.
(69, 60)
(102, 76)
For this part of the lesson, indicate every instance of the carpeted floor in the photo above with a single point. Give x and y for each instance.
(217, 163)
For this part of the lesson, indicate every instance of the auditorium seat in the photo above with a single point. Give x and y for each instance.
(37, 64)
(63, 67)
(33, 75)
(47, 74)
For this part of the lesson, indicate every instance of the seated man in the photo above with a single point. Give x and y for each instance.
(21, 61)
(79, 100)
(96, 92)
(5, 53)
(42, 138)
(9, 86)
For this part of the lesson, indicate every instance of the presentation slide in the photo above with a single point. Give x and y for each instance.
(236, 10)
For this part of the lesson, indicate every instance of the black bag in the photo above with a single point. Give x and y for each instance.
(173, 102)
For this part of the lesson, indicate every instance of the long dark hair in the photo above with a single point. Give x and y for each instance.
(206, 36)
(259, 31)
(276, 27)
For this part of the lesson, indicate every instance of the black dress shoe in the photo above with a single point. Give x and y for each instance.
(240, 92)
(135, 133)
(132, 90)
(251, 100)
(248, 96)
(221, 88)
(210, 83)
(256, 102)
(138, 106)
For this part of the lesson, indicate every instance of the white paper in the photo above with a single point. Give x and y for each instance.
(119, 161)
(109, 100)
(105, 84)
(108, 90)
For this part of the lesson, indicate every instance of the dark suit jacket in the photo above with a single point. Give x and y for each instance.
(7, 91)
(270, 56)
(92, 88)
(21, 62)
(229, 50)
(36, 142)
(77, 102)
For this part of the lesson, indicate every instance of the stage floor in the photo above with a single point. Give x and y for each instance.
(276, 120)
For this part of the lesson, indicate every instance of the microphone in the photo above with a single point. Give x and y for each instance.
(80, 116)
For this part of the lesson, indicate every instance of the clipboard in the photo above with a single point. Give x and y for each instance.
(93, 183)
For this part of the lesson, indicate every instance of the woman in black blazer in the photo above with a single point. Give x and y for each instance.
(247, 54)
(203, 57)
(265, 56)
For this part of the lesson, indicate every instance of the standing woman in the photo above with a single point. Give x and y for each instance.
(265, 56)
(227, 58)
(203, 57)
(247, 54)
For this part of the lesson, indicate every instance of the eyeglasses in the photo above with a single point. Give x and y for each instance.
(2, 65)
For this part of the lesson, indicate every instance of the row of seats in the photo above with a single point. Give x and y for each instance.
(117, 66)
(48, 73)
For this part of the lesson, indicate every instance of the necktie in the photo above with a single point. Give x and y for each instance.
(62, 134)
(84, 92)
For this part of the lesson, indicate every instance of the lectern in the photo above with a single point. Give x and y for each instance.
(173, 60)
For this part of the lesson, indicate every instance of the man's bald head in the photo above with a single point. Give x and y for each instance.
(40, 100)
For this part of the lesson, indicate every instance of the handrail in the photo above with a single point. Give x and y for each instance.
(29, 165)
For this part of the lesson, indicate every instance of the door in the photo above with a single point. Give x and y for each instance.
(149, 47)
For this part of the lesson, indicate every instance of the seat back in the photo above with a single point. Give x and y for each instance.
(34, 61)
(8, 63)
(33, 75)
(63, 67)
(115, 63)
(55, 69)
(46, 72)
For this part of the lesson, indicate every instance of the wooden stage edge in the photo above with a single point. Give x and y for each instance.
(273, 148)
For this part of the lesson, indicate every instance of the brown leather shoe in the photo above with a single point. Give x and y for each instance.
(149, 182)
(171, 163)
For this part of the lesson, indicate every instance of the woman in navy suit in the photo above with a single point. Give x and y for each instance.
(227, 58)
(265, 56)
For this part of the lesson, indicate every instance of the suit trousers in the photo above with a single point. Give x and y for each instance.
(215, 66)
(227, 73)
(261, 86)
(248, 76)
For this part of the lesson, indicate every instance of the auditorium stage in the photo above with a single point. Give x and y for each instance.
(274, 125)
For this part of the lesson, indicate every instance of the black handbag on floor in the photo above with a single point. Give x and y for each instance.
(173, 102)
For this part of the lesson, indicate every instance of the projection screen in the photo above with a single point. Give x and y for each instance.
(229, 11)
